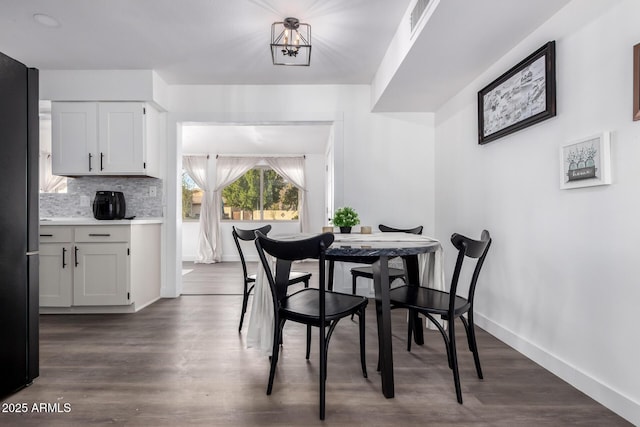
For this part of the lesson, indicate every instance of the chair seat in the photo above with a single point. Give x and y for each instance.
(303, 306)
(427, 299)
(394, 273)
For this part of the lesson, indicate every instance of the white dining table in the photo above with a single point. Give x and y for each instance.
(430, 271)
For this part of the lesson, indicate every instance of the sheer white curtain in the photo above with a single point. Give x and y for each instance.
(228, 169)
(292, 169)
(197, 168)
(49, 183)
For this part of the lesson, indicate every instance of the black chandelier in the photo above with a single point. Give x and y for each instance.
(290, 42)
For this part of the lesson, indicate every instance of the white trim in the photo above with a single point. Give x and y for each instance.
(602, 393)
(172, 239)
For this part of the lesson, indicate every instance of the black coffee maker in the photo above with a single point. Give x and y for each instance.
(109, 205)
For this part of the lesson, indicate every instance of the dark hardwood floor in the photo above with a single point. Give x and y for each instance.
(182, 362)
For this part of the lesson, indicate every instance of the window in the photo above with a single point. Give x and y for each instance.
(260, 194)
(48, 183)
(191, 198)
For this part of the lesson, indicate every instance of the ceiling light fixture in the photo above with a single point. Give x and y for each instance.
(291, 42)
(46, 20)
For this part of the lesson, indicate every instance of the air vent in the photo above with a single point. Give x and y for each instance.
(417, 12)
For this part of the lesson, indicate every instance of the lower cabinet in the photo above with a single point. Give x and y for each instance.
(99, 268)
(56, 279)
(101, 274)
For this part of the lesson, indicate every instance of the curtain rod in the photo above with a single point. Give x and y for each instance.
(195, 155)
(304, 156)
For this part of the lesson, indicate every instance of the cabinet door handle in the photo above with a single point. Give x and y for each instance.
(46, 235)
(99, 235)
(101, 158)
(75, 253)
(90, 156)
(64, 253)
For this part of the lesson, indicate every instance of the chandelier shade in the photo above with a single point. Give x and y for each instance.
(291, 43)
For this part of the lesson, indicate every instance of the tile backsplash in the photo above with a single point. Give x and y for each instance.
(136, 193)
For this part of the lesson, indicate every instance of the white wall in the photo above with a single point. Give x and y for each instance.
(560, 282)
(382, 161)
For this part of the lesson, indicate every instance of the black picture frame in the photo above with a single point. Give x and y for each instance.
(521, 97)
(636, 82)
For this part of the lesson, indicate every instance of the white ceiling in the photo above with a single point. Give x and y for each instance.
(201, 41)
(460, 41)
(227, 42)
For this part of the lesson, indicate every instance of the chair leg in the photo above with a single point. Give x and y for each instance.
(308, 341)
(454, 360)
(363, 360)
(323, 368)
(410, 329)
(278, 325)
(473, 345)
(245, 298)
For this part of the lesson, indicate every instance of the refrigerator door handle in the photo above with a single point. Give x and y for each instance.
(33, 253)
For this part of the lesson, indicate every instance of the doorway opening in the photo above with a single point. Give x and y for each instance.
(314, 140)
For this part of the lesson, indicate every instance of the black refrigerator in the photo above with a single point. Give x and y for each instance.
(19, 239)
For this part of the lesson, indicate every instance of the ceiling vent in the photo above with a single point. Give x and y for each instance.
(418, 12)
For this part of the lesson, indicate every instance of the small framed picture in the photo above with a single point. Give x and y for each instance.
(586, 162)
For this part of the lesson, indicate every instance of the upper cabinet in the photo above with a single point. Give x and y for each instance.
(104, 138)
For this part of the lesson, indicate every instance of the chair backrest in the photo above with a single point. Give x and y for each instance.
(287, 251)
(246, 235)
(468, 248)
(387, 229)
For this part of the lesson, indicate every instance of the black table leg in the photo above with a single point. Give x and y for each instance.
(330, 280)
(383, 314)
(412, 271)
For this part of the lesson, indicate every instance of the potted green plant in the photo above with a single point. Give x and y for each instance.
(345, 218)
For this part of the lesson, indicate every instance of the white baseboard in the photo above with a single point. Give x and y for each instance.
(600, 392)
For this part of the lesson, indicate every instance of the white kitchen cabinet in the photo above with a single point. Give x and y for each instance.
(104, 138)
(55, 275)
(56, 266)
(74, 138)
(101, 273)
(107, 268)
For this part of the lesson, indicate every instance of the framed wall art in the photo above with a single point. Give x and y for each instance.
(586, 162)
(521, 97)
(636, 82)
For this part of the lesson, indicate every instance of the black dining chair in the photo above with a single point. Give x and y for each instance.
(394, 273)
(250, 279)
(448, 305)
(310, 306)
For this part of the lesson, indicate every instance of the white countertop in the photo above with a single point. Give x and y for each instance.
(92, 221)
